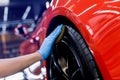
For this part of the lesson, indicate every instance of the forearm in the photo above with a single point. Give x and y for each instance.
(13, 65)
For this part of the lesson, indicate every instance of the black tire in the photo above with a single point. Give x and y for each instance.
(72, 59)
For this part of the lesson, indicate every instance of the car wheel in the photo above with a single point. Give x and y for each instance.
(71, 59)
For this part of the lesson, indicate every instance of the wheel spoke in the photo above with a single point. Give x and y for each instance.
(57, 64)
(76, 68)
(76, 72)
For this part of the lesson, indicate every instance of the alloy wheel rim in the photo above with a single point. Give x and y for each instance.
(66, 61)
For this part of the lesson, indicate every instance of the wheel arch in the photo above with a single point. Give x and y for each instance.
(65, 21)
(57, 20)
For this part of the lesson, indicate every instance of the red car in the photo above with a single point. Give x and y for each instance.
(90, 46)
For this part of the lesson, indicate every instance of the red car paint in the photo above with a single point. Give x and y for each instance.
(99, 23)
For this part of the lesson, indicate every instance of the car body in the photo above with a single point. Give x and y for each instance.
(98, 23)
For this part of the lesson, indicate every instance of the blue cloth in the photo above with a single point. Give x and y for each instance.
(48, 42)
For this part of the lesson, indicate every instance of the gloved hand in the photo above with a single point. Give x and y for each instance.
(48, 43)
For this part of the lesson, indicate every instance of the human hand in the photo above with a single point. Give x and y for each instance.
(48, 43)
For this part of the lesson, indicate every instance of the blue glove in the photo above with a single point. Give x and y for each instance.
(48, 43)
